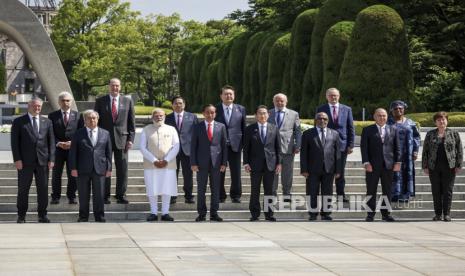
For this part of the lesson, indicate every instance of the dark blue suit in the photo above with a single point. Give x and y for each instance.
(91, 162)
(235, 131)
(209, 157)
(345, 127)
(182, 159)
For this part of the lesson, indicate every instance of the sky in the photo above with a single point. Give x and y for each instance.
(199, 10)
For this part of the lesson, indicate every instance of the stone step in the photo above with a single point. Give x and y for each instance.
(243, 215)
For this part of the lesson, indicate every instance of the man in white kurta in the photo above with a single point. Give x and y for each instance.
(159, 144)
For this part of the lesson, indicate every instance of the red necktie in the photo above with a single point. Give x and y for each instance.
(334, 114)
(65, 118)
(114, 110)
(210, 132)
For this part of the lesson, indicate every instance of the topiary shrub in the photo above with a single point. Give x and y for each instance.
(213, 85)
(197, 64)
(279, 56)
(335, 44)
(376, 68)
(236, 62)
(300, 54)
(263, 59)
(202, 87)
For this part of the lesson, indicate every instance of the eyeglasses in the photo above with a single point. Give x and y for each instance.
(398, 108)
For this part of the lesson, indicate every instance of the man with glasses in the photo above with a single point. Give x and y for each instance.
(320, 162)
(65, 123)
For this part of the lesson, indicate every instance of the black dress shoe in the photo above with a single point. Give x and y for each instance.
(21, 220)
(369, 219)
(254, 219)
(83, 220)
(326, 217)
(447, 218)
(152, 217)
(189, 201)
(388, 218)
(222, 200)
(270, 218)
(312, 217)
(122, 200)
(236, 200)
(102, 220)
(173, 200)
(44, 220)
(216, 218)
(436, 218)
(106, 201)
(167, 217)
(200, 218)
(54, 201)
(72, 201)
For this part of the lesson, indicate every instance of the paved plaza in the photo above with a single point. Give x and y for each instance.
(234, 248)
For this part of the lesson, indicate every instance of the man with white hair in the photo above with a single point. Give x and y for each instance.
(33, 148)
(159, 144)
(65, 123)
(288, 123)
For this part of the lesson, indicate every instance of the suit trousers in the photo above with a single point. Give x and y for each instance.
(287, 173)
(203, 176)
(442, 185)
(234, 162)
(372, 179)
(183, 162)
(24, 184)
(341, 181)
(95, 183)
(121, 165)
(314, 183)
(256, 178)
(61, 157)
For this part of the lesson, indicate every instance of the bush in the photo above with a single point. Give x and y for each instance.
(202, 88)
(236, 62)
(213, 85)
(189, 80)
(279, 55)
(330, 13)
(199, 59)
(223, 72)
(166, 104)
(182, 73)
(334, 47)
(456, 119)
(147, 110)
(2, 78)
(300, 55)
(376, 68)
(263, 59)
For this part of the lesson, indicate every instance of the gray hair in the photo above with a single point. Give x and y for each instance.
(89, 112)
(64, 94)
(35, 99)
(280, 95)
(332, 89)
(114, 79)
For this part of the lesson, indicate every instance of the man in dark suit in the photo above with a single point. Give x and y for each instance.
(117, 117)
(262, 161)
(288, 123)
(319, 164)
(183, 121)
(90, 162)
(33, 147)
(208, 159)
(65, 123)
(381, 156)
(233, 117)
(341, 120)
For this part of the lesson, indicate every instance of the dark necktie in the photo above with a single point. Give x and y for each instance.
(278, 119)
(262, 133)
(35, 126)
(179, 121)
(334, 114)
(65, 118)
(323, 137)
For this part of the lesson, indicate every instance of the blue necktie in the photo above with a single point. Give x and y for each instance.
(262, 133)
(278, 119)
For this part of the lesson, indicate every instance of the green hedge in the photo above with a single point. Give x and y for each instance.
(223, 72)
(2, 78)
(213, 84)
(202, 87)
(376, 68)
(300, 55)
(189, 80)
(330, 13)
(278, 57)
(263, 60)
(197, 64)
(250, 76)
(456, 119)
(147, 110)
(236, 62)
(334, 47)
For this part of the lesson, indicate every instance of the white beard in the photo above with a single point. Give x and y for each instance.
(158, 124)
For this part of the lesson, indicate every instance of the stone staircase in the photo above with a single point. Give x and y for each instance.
(418, 209)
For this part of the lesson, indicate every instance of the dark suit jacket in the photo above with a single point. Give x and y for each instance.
(185, 135)
(313, 155)
(27, 147)
(344, 124)
(255, 152)
(377, 153)
(85, 158)
(123, 129)
(235, 128)
(205, 153)
(65, 133)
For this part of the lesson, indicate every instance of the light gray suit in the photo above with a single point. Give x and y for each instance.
(290, 140)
